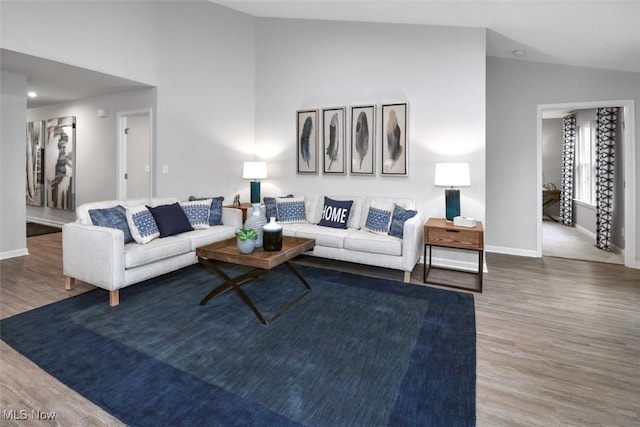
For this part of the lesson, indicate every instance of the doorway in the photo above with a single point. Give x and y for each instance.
(580, 244)
(135, 148)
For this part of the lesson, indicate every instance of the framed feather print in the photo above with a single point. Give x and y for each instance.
(394, 140)
(307, 141)
(363, 136)
(334, 141)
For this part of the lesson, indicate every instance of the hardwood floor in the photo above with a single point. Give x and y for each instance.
(558, 341)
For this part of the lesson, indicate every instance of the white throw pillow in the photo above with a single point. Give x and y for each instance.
(198, 212)
(378, 217)
(141, 224)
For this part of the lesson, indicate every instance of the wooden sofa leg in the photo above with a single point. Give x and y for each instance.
(114, 297)
(407, 277)
(69, 282)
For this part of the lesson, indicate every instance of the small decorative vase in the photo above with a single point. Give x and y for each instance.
(272, 236)
(256, 221)
(246, 246)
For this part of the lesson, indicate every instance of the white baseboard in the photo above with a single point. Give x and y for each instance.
(48, 222)
(14, 253)
(511, 251)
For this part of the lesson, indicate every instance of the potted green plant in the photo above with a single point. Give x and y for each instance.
(246, 240)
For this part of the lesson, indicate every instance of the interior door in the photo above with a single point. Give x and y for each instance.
(135, 162)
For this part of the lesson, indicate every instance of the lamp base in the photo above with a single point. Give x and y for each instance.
(255, 191)
(452, 203)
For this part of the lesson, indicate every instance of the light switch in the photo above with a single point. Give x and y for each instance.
(165, 168)
(146, 168)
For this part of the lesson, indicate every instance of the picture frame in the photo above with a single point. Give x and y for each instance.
(59, 170)
(363, 140)
(307, 141)
(334, 151)
(395, 151)
(35, 163)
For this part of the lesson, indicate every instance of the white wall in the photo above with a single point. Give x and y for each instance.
(116, 38)
(96, 146)
(438, 71)
(13, 119)
(514, 90)
(206, 99)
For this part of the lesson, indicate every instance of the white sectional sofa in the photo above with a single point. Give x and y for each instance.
(355, 243)
(99, 256)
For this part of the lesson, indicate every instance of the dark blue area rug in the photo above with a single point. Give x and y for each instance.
(355, 351)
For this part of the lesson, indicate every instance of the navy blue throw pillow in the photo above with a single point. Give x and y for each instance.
(114, 217)
(399, 216)
(170, 219)
(335, 213)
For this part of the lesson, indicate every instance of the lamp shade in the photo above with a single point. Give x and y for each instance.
(254, 170)
(452, 175)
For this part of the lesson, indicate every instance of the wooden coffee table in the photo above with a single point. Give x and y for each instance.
(210, 256)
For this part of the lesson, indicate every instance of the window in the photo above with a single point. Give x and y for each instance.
(585, 184)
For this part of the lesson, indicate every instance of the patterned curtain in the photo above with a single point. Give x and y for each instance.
(605, 162)
(568, 161)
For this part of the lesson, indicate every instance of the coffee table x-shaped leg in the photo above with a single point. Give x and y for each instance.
(235, 283)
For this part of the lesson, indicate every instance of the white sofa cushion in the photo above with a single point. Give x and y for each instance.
(136, 255)
(216, 233)
(364, 241)
(324, 236)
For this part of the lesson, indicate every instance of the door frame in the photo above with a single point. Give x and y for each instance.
(122, 152)
(628, 114)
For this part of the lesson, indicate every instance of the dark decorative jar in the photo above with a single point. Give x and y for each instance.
(272, 236)
(255, 222)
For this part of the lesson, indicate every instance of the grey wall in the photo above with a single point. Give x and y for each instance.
(514, 90)
(13, 119)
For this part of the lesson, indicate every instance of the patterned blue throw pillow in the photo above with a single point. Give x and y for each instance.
(335, 213)
(290, 209)
(142, 225)
(399, 217)
(198, 212)
(270, 209)
(378, 219)
(114, 217)
(215, 216)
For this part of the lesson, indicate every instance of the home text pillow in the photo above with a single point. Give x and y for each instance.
(378, 217)
(398, 218)
(114, 217)
(290, 209)
(171, 219)
(335, 213)
(141, 224)
(198, 212)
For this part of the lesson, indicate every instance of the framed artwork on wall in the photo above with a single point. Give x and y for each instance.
(363, 137)
(307, 141)
(395, 155)
(35, 163)
(60, 163)
(334, 141)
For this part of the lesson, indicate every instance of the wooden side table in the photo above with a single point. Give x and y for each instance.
(244, 207)
(438, 232)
